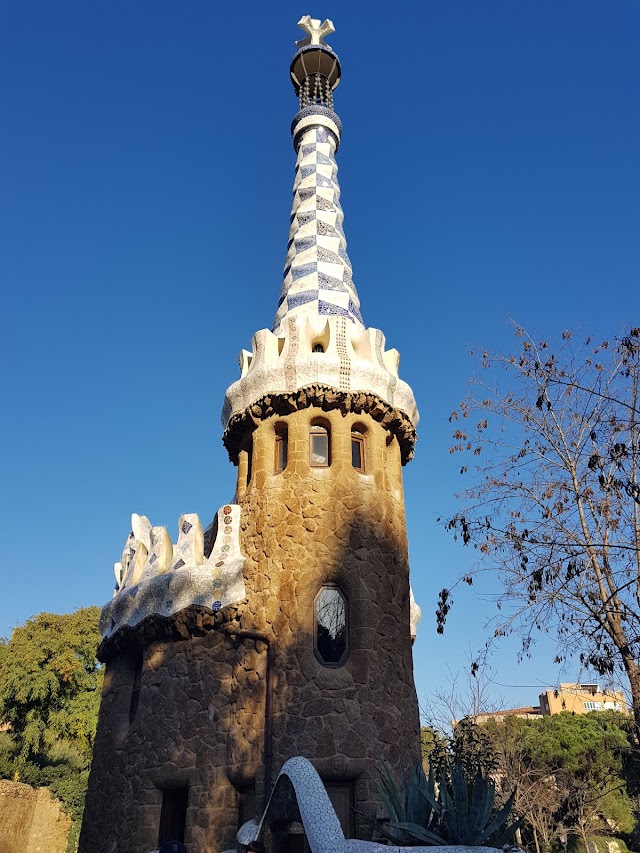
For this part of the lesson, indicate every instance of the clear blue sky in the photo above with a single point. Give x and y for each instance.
(489, 169)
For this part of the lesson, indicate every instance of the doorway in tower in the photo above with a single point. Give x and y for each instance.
(173, 815)
(341, 795)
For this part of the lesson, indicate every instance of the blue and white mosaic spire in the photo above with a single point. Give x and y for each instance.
(319, 341)
(317, 273)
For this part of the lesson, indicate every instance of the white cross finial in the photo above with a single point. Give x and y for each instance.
(315, 31)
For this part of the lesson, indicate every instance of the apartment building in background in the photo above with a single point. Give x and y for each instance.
(574, 697)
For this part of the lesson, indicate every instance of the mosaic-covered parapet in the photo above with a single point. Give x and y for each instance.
(299, 796)
(283, 373)
(157, 578)
(316, 350)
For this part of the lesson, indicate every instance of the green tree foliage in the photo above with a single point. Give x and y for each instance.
(50, 686)
(569, 770)
(50, 682)
(550, 442)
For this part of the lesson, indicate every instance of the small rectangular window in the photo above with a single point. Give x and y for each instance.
(135, 689)
(282, 448)
(357, 452)
(319, 448)
(173, 816)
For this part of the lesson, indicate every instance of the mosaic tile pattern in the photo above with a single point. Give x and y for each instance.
(299, 795)
(292, 352)
(318, 301)
(354, 359)
(341, 346)
(174, 577)
(317, 272)
(393, 380)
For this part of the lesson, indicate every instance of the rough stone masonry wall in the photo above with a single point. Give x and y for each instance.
(195, 685)
(309, 526)
(200, 716)
(31, 820)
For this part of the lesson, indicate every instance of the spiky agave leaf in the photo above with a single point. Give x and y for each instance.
(461, 803)
(506, 835)
(398, 837)
(432, 804)
(392, 794)
(448, 809)
(416, 809)
(419, 833)
(499, 820)
(482, 799)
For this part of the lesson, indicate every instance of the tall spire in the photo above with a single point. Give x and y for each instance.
(317, 273)
(319, 352)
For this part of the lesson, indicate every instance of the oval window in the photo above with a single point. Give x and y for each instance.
(331, 627)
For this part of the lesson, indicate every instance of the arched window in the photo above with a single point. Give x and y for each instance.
(319, 451)
(357, 450)
(331, 634)
(281, 449)
(317, 348)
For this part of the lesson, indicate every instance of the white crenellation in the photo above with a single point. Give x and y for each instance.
(190, 548)
(161, 553)
(415, 614)
(156, 577)
(354, 359)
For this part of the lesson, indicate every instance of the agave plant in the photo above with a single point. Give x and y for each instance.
(413, 807)
(450, 813)
(468, 814)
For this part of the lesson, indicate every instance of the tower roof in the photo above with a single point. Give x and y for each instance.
(319, 349)
(317, 272)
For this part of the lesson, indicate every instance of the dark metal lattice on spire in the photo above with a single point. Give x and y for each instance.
(315, 69)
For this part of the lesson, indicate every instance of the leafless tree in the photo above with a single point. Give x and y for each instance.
(553, 439)
(465, 694)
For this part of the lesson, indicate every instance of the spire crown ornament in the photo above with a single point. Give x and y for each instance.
(315, 69)
(316, 31)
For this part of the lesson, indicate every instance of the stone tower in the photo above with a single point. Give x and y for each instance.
(285, 627)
